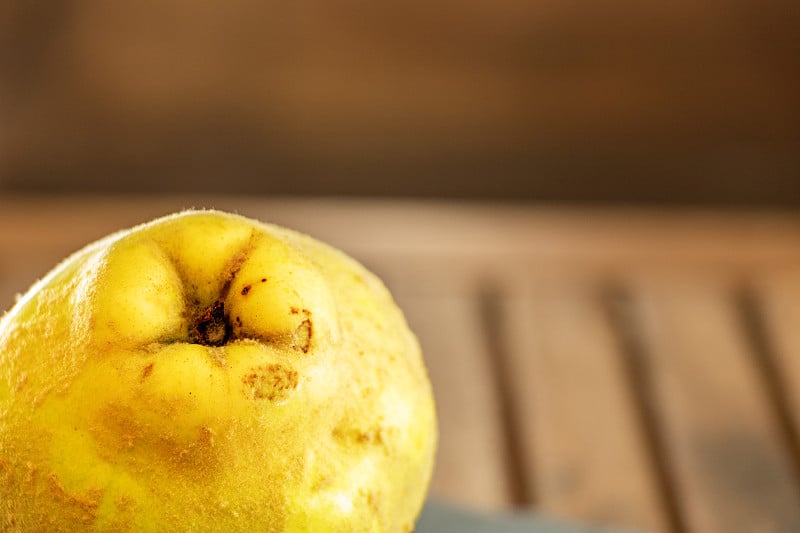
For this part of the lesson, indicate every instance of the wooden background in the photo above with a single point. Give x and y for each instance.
(599, 100)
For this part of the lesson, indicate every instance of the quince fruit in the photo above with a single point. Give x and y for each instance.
(207, 372)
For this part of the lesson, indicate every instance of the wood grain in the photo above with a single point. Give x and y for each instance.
(487, 236)
(730, 467)
(778, 298)
(577, 416)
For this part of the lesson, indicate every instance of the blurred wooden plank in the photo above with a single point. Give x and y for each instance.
(577, 421)
(778, 300)
(8, 289)
(471, 464)
(476, 237)
(731, 471)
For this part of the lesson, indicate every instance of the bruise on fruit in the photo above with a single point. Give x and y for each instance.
(376, 435)
(374, 500)
(82, 508)
(272, 382)
(123, 503)
(302, 335)
(118, 430)
(205, 437)
(146, 371)
(246, 289)
(125, 508)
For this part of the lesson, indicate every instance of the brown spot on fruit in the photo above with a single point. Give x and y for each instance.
(377, 435)
(272, 382)
(118, 429)
(123, 503)
(81, 508)
(374, 500)
(302, 335)
(263, 280)
(206, 437)
(147, 371)
(246, 289)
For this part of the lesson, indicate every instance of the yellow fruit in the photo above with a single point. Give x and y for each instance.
(207, 372)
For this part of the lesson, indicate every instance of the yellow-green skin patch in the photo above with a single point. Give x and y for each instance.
(206, 372)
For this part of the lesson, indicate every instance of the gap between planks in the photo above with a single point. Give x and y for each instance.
(770, 306)
(579, 440)
(728, 460)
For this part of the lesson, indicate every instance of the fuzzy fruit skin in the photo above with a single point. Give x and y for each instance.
(207, 372)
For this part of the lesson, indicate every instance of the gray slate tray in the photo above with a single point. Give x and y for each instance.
(441, 518)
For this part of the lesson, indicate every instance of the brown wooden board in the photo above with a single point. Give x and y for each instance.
(729, 466)
(777, 301)
(577, 419)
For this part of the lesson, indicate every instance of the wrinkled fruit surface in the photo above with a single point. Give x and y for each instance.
(207, 372)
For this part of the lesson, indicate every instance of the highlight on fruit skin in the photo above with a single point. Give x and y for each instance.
(208, 372)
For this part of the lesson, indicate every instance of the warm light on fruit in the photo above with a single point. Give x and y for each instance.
(207, 372)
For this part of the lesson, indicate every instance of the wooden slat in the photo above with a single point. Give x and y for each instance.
(730, 469)
(778, 299)
(496, 236)
(471, 462)
(577, 419)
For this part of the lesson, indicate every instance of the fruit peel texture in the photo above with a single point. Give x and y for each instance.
(207, 372)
